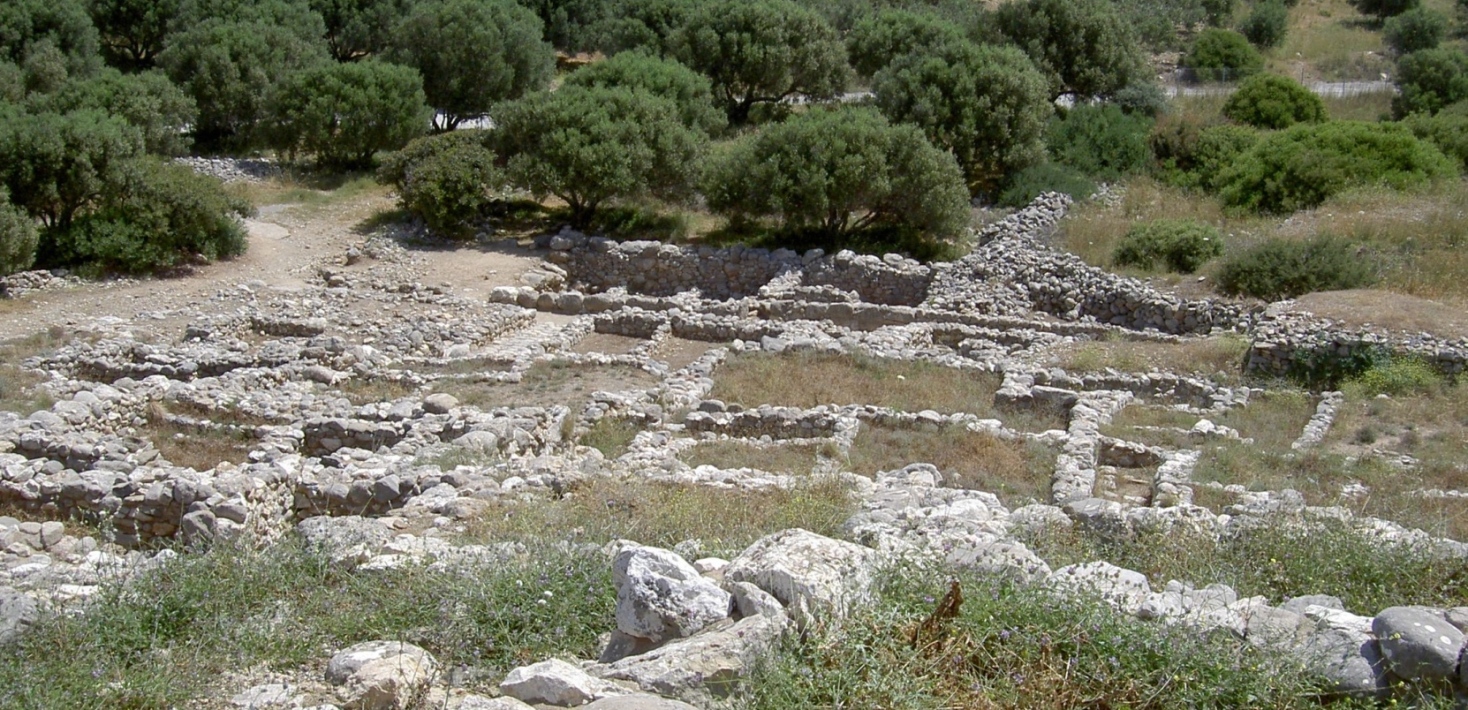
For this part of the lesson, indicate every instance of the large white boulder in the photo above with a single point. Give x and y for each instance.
(661, 596)
(816, 578)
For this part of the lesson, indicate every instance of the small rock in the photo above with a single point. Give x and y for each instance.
(440, 403)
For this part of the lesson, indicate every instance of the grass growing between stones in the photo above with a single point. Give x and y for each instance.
(1279, 558)
(1219, 358)
(20, 390)
(1274, 420)
(198, 448)
(1017, 471)
(1016, 647)
(360, 391)
(796, 459)
(611, 436)
(664, 514)
(166, 639)
(813, 379)
(547, 384)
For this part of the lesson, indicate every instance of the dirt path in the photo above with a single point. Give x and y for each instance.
(287, 245)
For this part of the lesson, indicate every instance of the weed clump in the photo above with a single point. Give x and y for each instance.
(1180, 245)
(1279, 268)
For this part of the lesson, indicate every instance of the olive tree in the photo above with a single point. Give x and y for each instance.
(591, 145)
(647, 25)
(148, 100)
(133, 32)
(345, 113)
(839, 172)
(56, 166)
(568, 23)
(762, 51)
(18, 237)
(230, 69)
(1273, 101)
(1084, 47)
(1415, 30)
(988, 105)
(29, 28)
(294, 16)
(359, 28)
(878, 39)
(473, 54)
(689, 90)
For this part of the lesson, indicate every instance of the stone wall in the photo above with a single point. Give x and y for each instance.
(1319, 350)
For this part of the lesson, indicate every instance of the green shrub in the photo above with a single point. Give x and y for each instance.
(1192, 156)
(1383, 9)
(1082, 47)
(589, 146)
(839, 172)
(1415, 30)
(1267, 24)
(988, 105)
(1429, 80)
(1397, 376)
(57, 166)
(450, 189)
(878, 39)
(1100, 141)
(473, 54)
(343, 114)
(1182, 245)
(18, 237)
(1273, 101)
(665, 78)
(148, 101)
(1142, 98)
(359, 28)
(162, 216)
(1223, 55)
(1280, 268)
(1448, 130)
(760, 52)
(1301, 167)
(1024, 186)
(648, 25)
(393, 169)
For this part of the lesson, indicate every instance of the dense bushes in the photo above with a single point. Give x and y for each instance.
(18, 237)
(359, 28)
(881, 38)
(1100, 141)
(989, 105)
(1302, 166)
(839, 172)
(1082, 47)
(1429, 80)
(1179, 245)
(57, 166)
(761, 51)
(1273, 101)
(445, 180)
(473, 54)
(147, 100)
(1190, 155)
(1448, 130)
(1267, 24)
(344, 113)
(1415, 30)
(1223, 55)
(1279, 268)
(161, 216)
(590, 145)
(668, 79)
(1023, 187)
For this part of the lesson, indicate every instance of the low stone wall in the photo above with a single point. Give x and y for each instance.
(596, 264)
(1320, 350)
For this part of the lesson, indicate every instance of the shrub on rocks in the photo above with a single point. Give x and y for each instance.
(343, 114)
(840, 172)
(1303, 166)
(1279, 268)
(1273, 101)
(589, 146)
(1180, 245)
(1223, 55)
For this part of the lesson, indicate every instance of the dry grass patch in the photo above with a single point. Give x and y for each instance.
(813, 379)
(1333, 41)
(600, 510)
(1274, 420)
(1374, 106)
(1218, 357)
(797, 459)
(1092, 229)
(1384, 309)
(306, 191)
(1018, 472)
(468, 366)
(360, 391)
(547, 384)
(196, 447)
(611, 436)
(20, 390)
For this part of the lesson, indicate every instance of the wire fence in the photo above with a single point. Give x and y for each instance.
(1217, 82)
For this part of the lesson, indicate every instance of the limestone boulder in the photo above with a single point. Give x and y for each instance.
(1418, 643)
(816, 578)
(661, 596)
